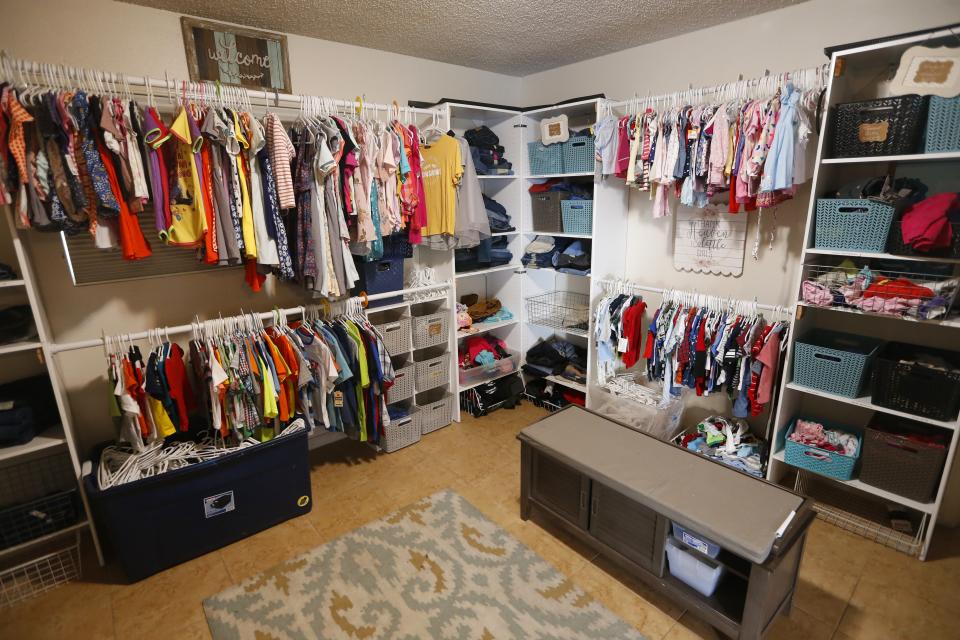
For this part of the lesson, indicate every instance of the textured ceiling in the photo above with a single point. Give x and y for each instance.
(507, 36)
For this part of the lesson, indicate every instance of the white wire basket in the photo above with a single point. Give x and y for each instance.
(561, 310)
(38, 575)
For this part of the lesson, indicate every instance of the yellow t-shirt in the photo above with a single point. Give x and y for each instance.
(188, 220)
(441, 169)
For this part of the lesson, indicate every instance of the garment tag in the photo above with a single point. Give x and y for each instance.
(338, 399)
(694, 133)
(624, 345)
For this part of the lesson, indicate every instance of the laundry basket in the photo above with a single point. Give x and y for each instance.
(852, 224)
(436, 409)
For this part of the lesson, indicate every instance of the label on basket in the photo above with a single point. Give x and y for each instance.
(338, 399)
(434, 328)
(874, 131)
(624, 345)
(6, 406)
(692, 542)
(218, 504)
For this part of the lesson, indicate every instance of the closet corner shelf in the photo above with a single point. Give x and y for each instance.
(13, 551)
(953, 321)
(483, 272)
(15, 347)
(467, 387)
(52, 437)
(911, 157)
(557, 234)
(922, 507)
(4, 284)
(865, 403)
(563, 382)
(881, 256)
(484, 327)
(575, 174)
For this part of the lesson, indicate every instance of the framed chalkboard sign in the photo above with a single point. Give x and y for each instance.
(235, 55)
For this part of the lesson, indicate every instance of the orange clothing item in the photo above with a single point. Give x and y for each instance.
(132, 242)
(211, 251)
(136, 392)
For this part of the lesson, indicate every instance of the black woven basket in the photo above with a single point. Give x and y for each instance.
(901, 383)
(896, 245)
(24, 522)
(397, 245)
(902, 465)
(884, 127)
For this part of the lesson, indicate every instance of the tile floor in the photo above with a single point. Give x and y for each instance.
(849, 587)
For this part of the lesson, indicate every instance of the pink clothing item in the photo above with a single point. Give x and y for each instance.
(888, 306)
(623, 148)
(816, 294)
(925, 226)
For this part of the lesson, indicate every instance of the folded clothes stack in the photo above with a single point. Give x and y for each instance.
(577, 191)
(814, 434)
(726, 441)
(472, 311)
(27, 407)
(566, 255)
(497, 216)
(487, 152)
(484, 351)
(491, 252)
(557, 357)
(929, 225)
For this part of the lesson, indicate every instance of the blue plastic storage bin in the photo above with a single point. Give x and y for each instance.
(579, 155)
(380, 276)
(156, 523)
(545, 159)
(577, 216)
(943, 125)
(700, 574)
(695, 541)
(837, 363)
(826, 463)
(852, 224)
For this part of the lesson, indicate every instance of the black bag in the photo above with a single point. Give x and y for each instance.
(505, 393)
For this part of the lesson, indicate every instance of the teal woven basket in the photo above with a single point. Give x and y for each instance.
(943, 125)
(837, 363)
(852, 225)
(577, 216)
(826, 463)
(579, 155)
(545, 159)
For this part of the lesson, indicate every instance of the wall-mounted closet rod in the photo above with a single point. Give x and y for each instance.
(612, 285)
(52, 75)
(808, 78)
(59, 347)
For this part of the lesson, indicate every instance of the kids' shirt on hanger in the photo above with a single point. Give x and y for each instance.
(442, 169)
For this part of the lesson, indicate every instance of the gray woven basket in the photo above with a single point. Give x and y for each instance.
(436, 410)
(431, 330)
(902, 466)
(402, 434)
(402, 388)
(433, 373)
(396, 336)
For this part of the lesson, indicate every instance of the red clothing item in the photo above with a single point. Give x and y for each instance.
(633, 332)
(211, 253)
(897, 288)
(925, 226)
(132, 242)
(180, 390)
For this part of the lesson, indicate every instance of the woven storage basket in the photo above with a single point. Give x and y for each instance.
(577, 216)
(545, 159)
(433, 373)
(402, 434)
(834, 362)
(852, 225)
(396, 336)
(884, 127)
(436, 410)
(546, 211)
(397, 245)
(943, 125)
(902, 383)
(827, 463)
(579, 155)
(402, 388)
(900, 465)
(431, 330)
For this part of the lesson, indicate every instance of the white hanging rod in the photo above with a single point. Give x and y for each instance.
(265, 315)
(808, 78)
(610, 286)
(55, 76)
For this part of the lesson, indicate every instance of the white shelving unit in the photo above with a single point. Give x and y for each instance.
(841, 501)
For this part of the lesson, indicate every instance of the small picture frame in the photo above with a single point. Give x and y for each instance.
(553, 130)
(933, 71)
(236, 56)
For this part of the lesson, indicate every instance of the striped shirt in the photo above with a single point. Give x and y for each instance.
(282, 154)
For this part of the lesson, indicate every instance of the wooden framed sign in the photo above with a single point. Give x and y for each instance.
(709, 240)
(235, 55)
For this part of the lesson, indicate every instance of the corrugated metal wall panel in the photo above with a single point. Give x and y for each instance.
(90, 265)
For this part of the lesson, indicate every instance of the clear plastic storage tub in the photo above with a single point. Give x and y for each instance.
(695, 541)
(701, 575)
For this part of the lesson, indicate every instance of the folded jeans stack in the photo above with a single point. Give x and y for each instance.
(557, 357)
(487, 152)
(491, 252)
(497, 216)
(563, 254)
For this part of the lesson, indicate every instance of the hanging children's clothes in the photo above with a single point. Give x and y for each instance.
(442, 170)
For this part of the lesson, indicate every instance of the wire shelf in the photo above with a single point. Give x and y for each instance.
(862, 515)
(560, 310)
(35, 518)
(41, 574)
(893, 292)
(33, 479)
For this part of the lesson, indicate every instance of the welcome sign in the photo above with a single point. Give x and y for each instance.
(709, 240)
(235, 55)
